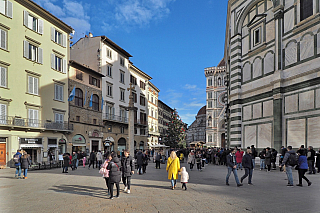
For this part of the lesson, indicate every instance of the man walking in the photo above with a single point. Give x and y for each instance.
(17, 164)
(157, 160)
(99, 159)
(310, 157)
(232, 167)
(248, 166)
(287, 161)
(92, 158)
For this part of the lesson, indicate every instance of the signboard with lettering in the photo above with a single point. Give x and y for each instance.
(78, 139)
(31, 140)
(61, 140)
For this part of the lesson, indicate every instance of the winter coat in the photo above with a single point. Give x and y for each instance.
(247, 161)
(173, 167)
(104, 171)
(127, 166)
(139, 158)
(239, 156)
(261, 155)
(114, 170)
(302, 162)
(74, 157)
(99, 156)
(318, 160)
(25, 162)
(311, 154)
(268, 158)
(198, 158)
(66, 160)
(184, 175)
(191, 158)
(18, 164)
(92, 156)
(158, 157)
(286, 157)
(231, 161)
(274, 156)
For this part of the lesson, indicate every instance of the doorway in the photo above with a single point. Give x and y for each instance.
(223, 140)
(95, 146)
(3, 149)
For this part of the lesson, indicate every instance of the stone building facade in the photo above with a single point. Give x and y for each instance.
(197, 130)
(85, 110)
(216, 107)
(164, 118)
(153, 128)
(272, 52)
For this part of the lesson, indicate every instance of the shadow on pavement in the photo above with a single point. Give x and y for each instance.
(81, 190)
(152, 186)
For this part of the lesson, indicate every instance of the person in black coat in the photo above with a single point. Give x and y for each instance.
(92, 158)
(274, 154)
(66, 161)
(318, 161)
(139, 158)
(248, 166)
(25, 163)
(310, 157)
(268, 159)
(114, 168)
(127, 170)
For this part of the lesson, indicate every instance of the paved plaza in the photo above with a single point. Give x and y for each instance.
(84, 190)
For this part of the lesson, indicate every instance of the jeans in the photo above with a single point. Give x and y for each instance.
(77, 163)
(289, 174)
(139, 169)
(99, 163)
(74, 164)
(239, 165)
(173, 181)
(18, 171)
(25, 172)
(301, 173)
(230, 169)
(254, 162)
(111, 189)
(199, 166)
(247, 172)
(65, 169)
(262, 163)
(311, 166)
(126, 181)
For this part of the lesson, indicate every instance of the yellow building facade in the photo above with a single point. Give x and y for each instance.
(34, 55)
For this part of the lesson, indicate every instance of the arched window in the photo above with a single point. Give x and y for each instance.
(78, 97)
(219, 81)
(95, 102)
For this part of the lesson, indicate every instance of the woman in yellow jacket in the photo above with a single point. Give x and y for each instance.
(173, 167)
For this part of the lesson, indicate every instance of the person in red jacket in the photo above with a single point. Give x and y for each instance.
(239, 156)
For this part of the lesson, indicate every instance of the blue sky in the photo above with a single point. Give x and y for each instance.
(170, 40)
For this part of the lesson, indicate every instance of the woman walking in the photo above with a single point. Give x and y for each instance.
(114, 174)
(173, 168)
(191, 159)
(239, 156)
(105, 172)
(127, 170)
(25, 162)
(303, 167)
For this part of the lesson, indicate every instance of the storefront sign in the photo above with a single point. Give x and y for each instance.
(107, 143)
(2, 139)
(31, 140)
(78, 139)
(25, 146)
(61, 140)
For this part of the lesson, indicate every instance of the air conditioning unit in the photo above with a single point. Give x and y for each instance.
(18, 122)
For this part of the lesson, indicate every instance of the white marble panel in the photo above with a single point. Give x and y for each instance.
(270, 32)
(264, 135)
(261, 8)
(257, 68)
(317, 98)
(269, 4)
(318, 43)
(268, 63)
(313, 132)
(250, 136)
(306, 100)
(257, 110)
(296, 133)
(307, 47)
(288, 3)
(288, 20)
(291, 53)
(291, 103)
(246, 72)
(252, 14)
(268, 108)
(245, 45)
(247, 112)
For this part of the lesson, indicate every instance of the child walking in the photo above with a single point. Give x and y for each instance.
(184, 177)
(105, 172)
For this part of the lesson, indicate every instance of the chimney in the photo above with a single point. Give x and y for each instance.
(90, 35)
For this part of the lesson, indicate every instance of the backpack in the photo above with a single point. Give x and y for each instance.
(16, 158)
(292, 159)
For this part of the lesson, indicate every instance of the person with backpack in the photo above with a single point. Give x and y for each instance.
(114, 168)
(289, 161)
(17, 163)
(25, 163)
(302, 167)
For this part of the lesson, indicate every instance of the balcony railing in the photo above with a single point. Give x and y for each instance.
(140, 122)
(12, 121)
(116, 118)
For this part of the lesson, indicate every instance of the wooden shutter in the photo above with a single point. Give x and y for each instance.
(40, 55)
(64, 66)
(61, 118)
(30, 84)
(56, 91)
(40, 26)
(60, 88)
(26, 49)
(3, 37)
(9, 9)
(25, 18)
(53, 34)
(30, 116)
(35, 84)
(3, 77)
(64, 40)
(113, 111)
(36, 118)
(98, 83)
(53, 56)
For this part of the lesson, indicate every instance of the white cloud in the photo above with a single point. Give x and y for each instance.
(190, 87)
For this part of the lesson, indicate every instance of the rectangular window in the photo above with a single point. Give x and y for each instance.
(109, 70)
(3, 76)
(135, 131)
(256, 36)
(33, 85)
(209, 82)
(306, 9)
(58, 92)
(58, 117)
(33, 23)
(122, 130)
(94, 121)
(3, 38)
(58, 63)
(3, 113)
(109, 53)
(142, 131)
(6, 8)
(209, 138)
(33, 117)
(142, 100)
(142, 85)
(109, 89)
(134, 97)
(94, 81)
(122, 76)
(209, 104)
(32, 52)
(209, 95)
(58, 37)
(122, 92)
(78, 118)
(79, 75)
(133, 80)
(121, 61)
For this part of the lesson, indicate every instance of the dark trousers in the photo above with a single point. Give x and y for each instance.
(144, 168)
(107, 183)
(157, 164)
(198, 166)
(74, 164)
(65, 169)
(99, 163)
(301, 173)
(269, 167)
(274, 167)
(139, 169)
(203, 161)
(126, 181)
(111, 189)
(191, 166)
(91, 162)
(311, 167)
(184, 185)
(247, 172)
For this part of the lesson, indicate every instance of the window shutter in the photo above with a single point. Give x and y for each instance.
(9, 9)
(3, 77)
(40, 55)
(52, 34)
(56, 90)
(3, 113)
(56, 117)
(30, 86)
(64, 66)
(30, 114)
(98, 83)
(25, 18)
(3, 37)
(40, 26)
(35, 117)
(35, 83)
(53, 61)
(64, 40)
(26, 49)
(60, 93)
(61, 118)
(113, 110)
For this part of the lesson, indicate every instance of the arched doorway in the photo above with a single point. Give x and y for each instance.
(121, 144)
(223, 140)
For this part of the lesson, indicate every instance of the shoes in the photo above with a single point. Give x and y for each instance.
(111, 198)
(25, 178)
(289, 185)
(227, 184)
(250, 184)
(241, 180)
(185, 188)
(128, 191)
(239, 185)
(309, 183)
(299, 185)
(125, 188)
(116, 196)
(89, 169)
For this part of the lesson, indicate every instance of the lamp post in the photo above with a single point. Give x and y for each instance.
(131, 108)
